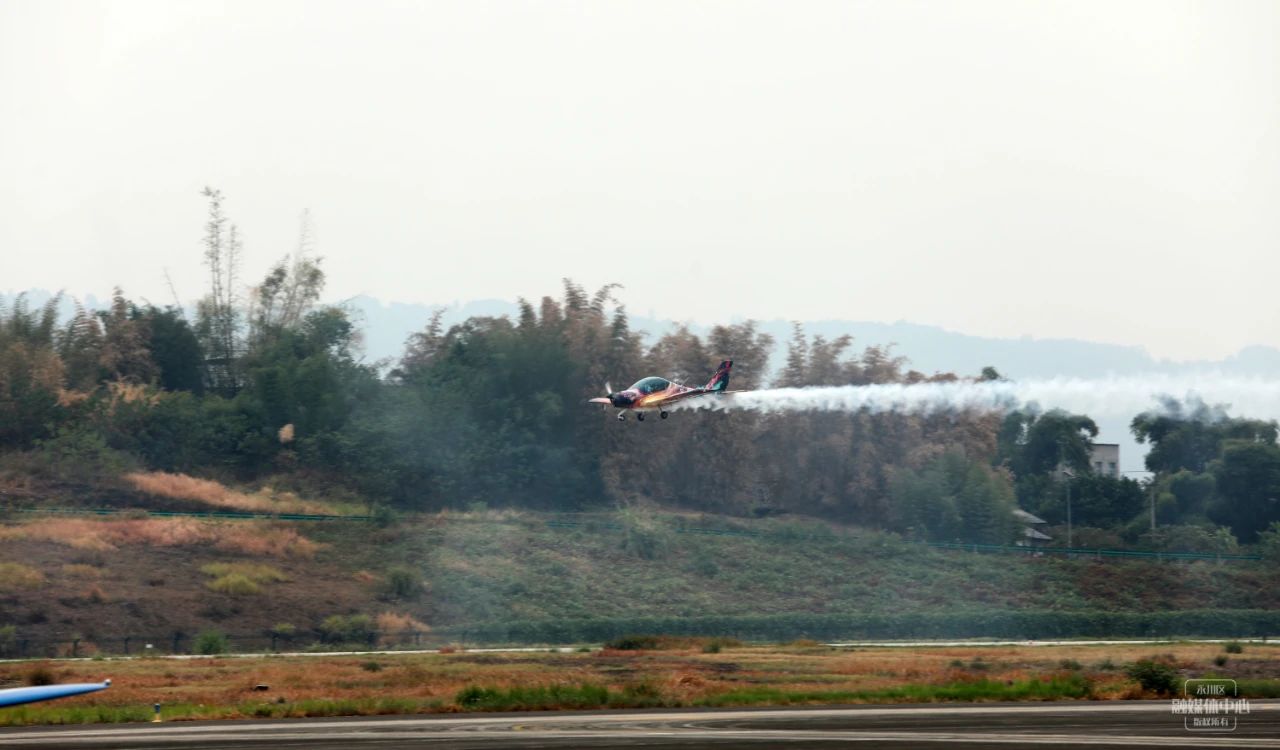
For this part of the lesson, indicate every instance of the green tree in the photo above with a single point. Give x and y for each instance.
(211, 643)
(174, 348)
(1248, 488)
(1037, 444)
(1188, 436)
(1098, 501)
(954, 498)
(32, 374)
(125, 353)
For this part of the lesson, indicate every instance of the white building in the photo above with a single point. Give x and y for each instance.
(1105, 459)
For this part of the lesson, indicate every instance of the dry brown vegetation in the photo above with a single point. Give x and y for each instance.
(397, 628)
(108, 535)
(183, 487)
(18, 577)
(256, 572)
(241, 578)
(79, 570)
(223, 688)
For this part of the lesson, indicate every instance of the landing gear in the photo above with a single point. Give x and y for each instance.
(639, 416)
(664, 414)
(622, 416)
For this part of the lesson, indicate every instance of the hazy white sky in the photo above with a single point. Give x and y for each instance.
(1108, 171)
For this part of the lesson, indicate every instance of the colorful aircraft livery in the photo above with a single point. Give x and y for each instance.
(658, 394)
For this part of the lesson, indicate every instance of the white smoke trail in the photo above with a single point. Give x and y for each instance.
(1107, 397)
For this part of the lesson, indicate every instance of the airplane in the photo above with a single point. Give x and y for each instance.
(656, 394)
(19, 696)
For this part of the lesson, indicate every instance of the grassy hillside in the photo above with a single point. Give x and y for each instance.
(102, 579)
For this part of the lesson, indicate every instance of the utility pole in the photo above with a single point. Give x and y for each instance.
(1069, 476)
(1066, 472)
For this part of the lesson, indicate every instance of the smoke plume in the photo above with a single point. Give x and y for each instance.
(1106, 397)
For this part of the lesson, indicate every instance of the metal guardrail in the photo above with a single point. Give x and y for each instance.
(965, 546)
(700, 530)
(1091, 552)
(226, 515)
(179, 643)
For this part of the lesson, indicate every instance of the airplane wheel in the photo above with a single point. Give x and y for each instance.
(640, 416)
(622, 417)
(664, 414)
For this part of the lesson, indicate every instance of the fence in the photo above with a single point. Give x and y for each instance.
(1009, 624)
(968, 547)
(679, 529)
(28, 646)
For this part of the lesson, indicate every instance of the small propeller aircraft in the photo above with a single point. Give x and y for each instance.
(656, 394)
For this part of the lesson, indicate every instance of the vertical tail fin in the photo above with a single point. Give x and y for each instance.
(720, 380)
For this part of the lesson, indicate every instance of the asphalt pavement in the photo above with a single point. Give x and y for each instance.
(1061, 725)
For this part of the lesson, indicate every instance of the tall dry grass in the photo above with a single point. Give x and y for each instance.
(216, 494)
(18, 577)
(79, 570)
(397, 628)
(106, 535)
(256, 572)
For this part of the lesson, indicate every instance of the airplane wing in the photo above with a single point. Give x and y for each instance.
(601, 400)
(18, 696)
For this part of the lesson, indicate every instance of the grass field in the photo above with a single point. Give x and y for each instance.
(101, 579)
(680, 672)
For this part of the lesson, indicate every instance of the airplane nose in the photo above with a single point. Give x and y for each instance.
(621, 399)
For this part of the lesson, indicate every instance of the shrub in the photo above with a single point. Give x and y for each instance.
(371, 666)
(398, 628)
(8, 641)
(1071, 664)
(535, 697)
(403, 583)
(234, 584)
(77, 570)
(383, 515)
(1233, 647)
(80, 455)
(634, 643)
(40, 676)
(1220, 660)
(255, 572)
(283, 630)
(346, 629)
(211, 642)
(1269, 542)
(1154, 676)
(17, 577)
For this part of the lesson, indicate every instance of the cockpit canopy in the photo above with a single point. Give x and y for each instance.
(651, 385)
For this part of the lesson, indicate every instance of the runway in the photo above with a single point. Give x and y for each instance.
(1040, 725)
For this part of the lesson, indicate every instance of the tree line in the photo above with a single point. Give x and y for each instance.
(270, 383)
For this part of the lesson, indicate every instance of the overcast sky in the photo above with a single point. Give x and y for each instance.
(1107, 171)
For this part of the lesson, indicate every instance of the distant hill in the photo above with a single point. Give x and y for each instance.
(929, 348)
